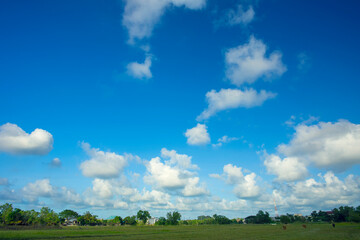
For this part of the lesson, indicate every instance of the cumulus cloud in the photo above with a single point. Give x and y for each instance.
(197, 135)
(244, 185)
(102, 187)
(325, 145)
(174, 176)
(233, 98)
(140, 16)
(115, 193)
(102, 164)
(237, 16)
(328, 192)
(14, 140)
(248, 62)
(40, 188)
(181, 160)
(287, 169)
(140, 70)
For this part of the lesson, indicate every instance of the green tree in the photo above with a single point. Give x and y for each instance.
(48, 216)
(5, 212)
(262, 217)
(220, 219)
(130, 220)
(31, 217)
(68, 214)
(173, 218)
(118, 220)
(161, 221)
(88, 219)
(284, 219)
(143, 216)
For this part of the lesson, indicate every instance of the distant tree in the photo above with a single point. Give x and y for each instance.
(143, 216)
(31, 217)
(262, 217)
(48, 216)
(354, 215)
(118, 220)
(5, 212)
(314, 216)
(161, 221)
(130, 220)
(202, 217)
(173, 218)
(88, 219)
(220, 219)
(250, 219)
(284, 219)
(68, 214)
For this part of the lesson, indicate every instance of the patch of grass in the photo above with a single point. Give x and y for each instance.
(293, 231)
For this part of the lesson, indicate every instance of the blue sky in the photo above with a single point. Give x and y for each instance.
(198, 106)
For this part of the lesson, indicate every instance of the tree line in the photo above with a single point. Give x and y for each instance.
(46, 216)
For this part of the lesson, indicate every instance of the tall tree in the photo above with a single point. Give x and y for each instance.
(143, 215)
(173, 218)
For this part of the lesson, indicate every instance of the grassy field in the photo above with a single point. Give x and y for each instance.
(293, 231)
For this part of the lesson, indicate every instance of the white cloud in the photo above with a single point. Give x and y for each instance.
(247, 63)
(287, 169)
(40, 188)
(14, 140)
(56, 162)
(233, 98)
(224, 139)
(198, 135)
(326, 145)
(173, 175)
(164, 175)
(102, 164)
(140, 70)
(237, 16)
(244, 185)
(327, 193)
(102, 188)
(181, 160)
(140, 16)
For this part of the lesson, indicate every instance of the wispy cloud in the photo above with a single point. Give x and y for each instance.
(233, 98)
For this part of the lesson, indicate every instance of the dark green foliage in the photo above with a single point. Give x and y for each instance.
(143, 216)
(220, 219)
(118, 220)
(202, 217)
(88, 219)
(48, 217)
(250, 219)
(262, 217)
(173, 218)
(130, 220)
(284, 219)
(68, 214)
(161, 221)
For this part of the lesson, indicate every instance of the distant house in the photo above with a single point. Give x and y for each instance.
(329, 213)
(71, 222)
(152, 221)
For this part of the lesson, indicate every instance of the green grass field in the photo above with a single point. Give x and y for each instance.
(293, 231)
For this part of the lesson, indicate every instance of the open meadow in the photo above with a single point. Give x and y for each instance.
(234, 231)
